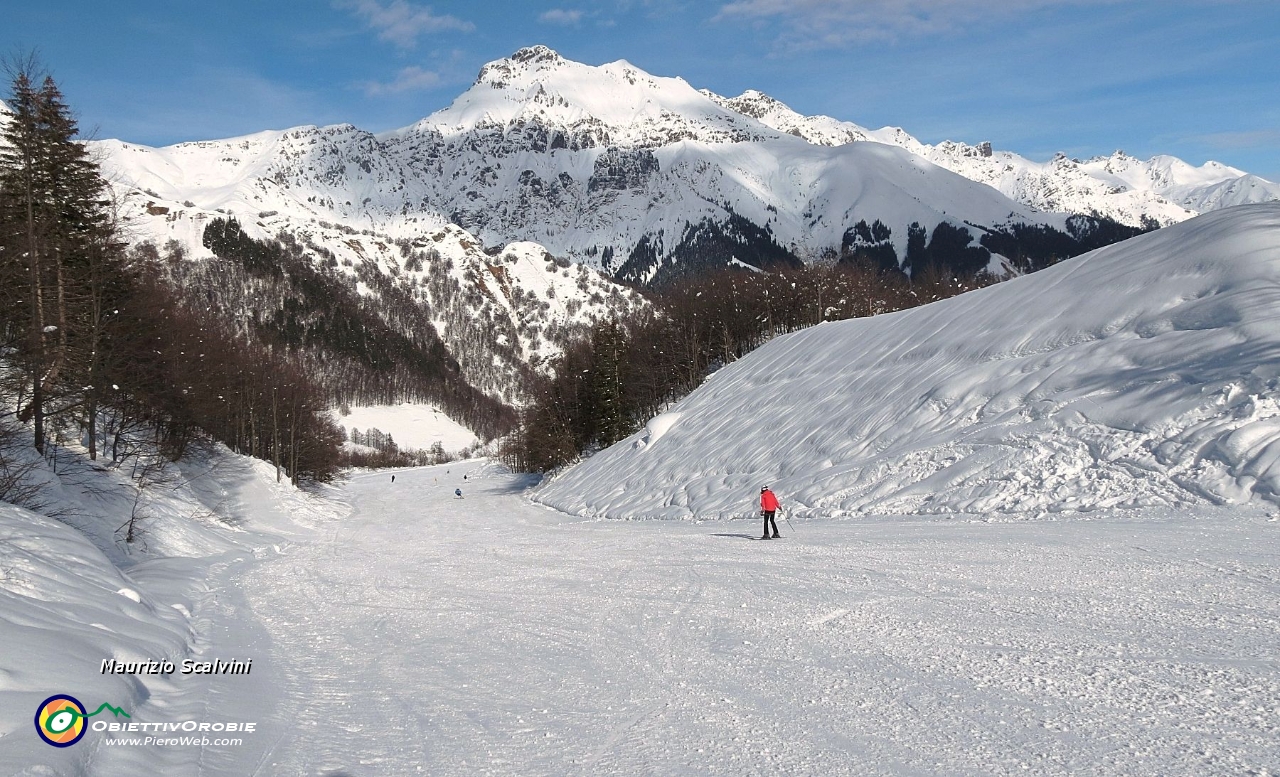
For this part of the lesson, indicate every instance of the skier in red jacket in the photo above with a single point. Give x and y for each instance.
(768, 506)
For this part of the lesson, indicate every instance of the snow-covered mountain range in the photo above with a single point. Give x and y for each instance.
(608, 166)
(627, 174)
(619, 169)
(1121, 187)
(1147, 377)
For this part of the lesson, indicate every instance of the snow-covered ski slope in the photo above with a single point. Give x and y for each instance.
(395, 630)
(412, 426)
(1143, 374)
(422, 634)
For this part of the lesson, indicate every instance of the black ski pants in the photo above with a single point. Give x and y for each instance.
(768, 521)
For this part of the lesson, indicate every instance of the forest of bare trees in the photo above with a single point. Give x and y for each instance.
(627, 370)
(95, 348)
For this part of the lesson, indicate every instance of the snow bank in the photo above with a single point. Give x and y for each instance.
(65, 608)
(1143, 374)
(656, 428)
(73, 594)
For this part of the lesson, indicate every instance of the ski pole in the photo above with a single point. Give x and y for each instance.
(788, 520)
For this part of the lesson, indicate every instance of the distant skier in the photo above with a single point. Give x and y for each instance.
(457, 492)
(768, 506)
(393, 478)
(464, 477)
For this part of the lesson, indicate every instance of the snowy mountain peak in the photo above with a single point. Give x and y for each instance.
(521, 65)
(754, 103)
(612, 104)
(539, 64)
(537, 54)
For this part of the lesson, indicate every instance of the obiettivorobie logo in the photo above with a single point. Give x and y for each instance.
(61, 722)
(60, 719)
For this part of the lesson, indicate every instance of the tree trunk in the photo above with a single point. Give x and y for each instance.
(293, 446)
(275, 434)
(37, 315)
(37, 353)
(92, 411)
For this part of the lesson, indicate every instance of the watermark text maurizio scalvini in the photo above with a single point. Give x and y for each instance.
(188, 666)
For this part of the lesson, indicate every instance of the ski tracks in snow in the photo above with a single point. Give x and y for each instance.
(423, 634)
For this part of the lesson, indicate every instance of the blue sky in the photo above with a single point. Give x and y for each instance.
(1196, 79)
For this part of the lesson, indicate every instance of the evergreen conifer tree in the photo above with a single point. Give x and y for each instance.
(55, 231)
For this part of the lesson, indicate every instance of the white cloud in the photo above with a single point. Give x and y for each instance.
(560, 16)
(840, 23)
(409, 79)
(402, 22)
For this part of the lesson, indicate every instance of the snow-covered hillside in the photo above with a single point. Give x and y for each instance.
(1142, 374)
(417, 427)
(74, 593)
(1164, 189)
(498, 312)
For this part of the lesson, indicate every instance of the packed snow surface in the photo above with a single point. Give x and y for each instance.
(1143, 374)
(487, 636)
(395, 630)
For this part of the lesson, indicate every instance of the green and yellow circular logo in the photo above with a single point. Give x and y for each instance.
(60, 720)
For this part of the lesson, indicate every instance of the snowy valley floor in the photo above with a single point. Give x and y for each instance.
(426, 634)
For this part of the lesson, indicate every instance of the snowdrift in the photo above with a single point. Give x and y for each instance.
(1139, 375)
(73, 594)
(65, 608)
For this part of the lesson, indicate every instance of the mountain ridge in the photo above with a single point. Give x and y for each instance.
(482, 161)
(590, 176)
(1119, 186)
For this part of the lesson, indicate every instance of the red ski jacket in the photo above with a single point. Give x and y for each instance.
(768, 502)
